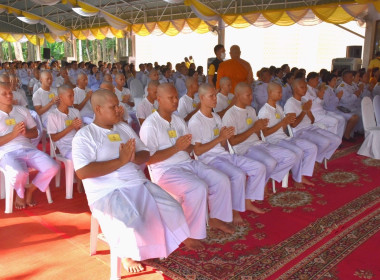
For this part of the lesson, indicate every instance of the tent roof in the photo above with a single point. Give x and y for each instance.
(132, 12)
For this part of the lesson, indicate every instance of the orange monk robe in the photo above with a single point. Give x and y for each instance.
(237, 70)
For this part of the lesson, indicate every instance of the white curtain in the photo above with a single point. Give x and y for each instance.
(174, 1)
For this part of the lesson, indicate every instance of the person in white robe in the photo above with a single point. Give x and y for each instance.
(139, 220)
(153, 76)
(305, 151)
(193, 183)
(149, 104)
(324, 119)
(62, 79)
(277, 160)
(82, 96)
(331, 103)
(19, 96)
(287, 91)
(180, 80)
(225, 99)
(34, 82)
(125, 116)
(45, 98)
(303, 127)
(17, 153)
(209, 138)
(188, 104)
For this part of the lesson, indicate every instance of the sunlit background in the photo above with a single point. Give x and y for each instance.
(309, 47)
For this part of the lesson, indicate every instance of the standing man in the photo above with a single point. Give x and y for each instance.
(237, 69)
(220, 53)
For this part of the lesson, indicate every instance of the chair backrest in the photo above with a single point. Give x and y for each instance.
(53, 148)
(37, 119)
(262, 136)
(368, 113)
(290, 131)
(136, 88)
(376, 107)
(150, 173)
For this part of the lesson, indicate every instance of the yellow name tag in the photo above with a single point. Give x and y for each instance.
(249, 121)
(51, 95)
(278, 116)
(154, 110)
(10, 121)
(68, 122)
(195, 105)
(172, 133)
(115, 137)
(216, 131)
(229, 102)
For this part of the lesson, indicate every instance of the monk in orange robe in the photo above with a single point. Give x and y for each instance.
(237, 69)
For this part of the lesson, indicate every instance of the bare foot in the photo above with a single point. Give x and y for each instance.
(29, 200)
(132, 266)
(250, 207)
(218, 224)
(20, 203)
(194, 244)
(307, 182)
(237, 220)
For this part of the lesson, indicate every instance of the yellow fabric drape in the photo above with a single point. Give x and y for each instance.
(97, 33)
(49, 38)
(203, 9)
(332, 14)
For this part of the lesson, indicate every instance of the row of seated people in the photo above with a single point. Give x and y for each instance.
(140, 219)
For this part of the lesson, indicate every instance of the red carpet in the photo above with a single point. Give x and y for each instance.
(309, 233)
(330, 231)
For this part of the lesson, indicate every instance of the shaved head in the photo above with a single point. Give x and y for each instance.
(4, 78)
(100, 97)
(272, 86)
(165, 87)
(235, 51)
(224, 80)
(44, 74)
(204, 89)
(240, 87)
(152, 84)
(107, 85)
(190, 81)
(81, 75)
(64, 89)
(107, 78)
(297, 82)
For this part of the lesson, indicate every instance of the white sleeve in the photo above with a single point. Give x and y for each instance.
(52, 124)
(140, 111)
(83, 151)
(37, 99)
(148, 136)
(229, 121)
(195, 130)
(182, 108)
(29, 121)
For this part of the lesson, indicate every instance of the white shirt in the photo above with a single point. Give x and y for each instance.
(20, 96)
(204, 130)
(121, 94)
(348, 99)
(42, 97)
(24, 75)
(92, 144)
(155, 131)
(274, 115)
(59, 81)
(73, 74)
(222, 101)
(8, 121)
(287, 92)
(166, 80)
(146, 108)
(295, 106)
(317, 104)
(79, 96)
(242, 119)
(58, 121)
(186, 105)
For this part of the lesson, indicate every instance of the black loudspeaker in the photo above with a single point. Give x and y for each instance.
(354, 51)
(46, 54)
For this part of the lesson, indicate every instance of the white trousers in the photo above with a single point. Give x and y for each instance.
(306, 153)
(154, 230)
(277, 160)
(193, 184)
(326, 141)
(331, 122)
(15, 165)
(237, 168)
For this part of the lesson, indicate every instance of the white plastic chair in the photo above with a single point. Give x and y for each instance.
(69, 170)
(371, 144)
(376, 108)
(285, 180)
(41, 131)
(7, 193)
(115, 260)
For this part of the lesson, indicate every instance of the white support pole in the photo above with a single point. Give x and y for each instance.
(221, 32)
(74, 48)
(80, 50)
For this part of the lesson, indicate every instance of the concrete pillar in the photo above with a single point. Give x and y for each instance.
(80, 52)
(31, 54)
(74, 48)
(221, 32)
(10, 58)
(1, 52)
(18, 51)
(104, 50)
(369, 41)
(38, 49)
(133, 45)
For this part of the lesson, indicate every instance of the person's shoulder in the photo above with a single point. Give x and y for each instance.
(74, 110)
(216, 116)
